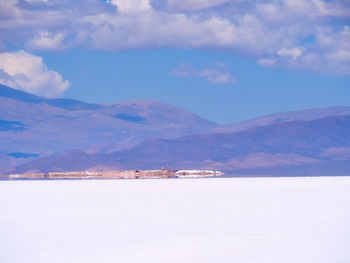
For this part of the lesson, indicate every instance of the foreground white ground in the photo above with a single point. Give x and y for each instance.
(176, 220)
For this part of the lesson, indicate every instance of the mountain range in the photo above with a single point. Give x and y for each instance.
(38, 134)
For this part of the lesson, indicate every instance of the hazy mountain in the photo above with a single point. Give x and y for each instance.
(33, 126)
(317, 143)
(43, 134)
(300, 115)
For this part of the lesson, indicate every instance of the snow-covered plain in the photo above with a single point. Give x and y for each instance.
(176, 220)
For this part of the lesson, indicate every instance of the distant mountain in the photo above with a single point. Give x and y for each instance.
(35, 126)
(305, 146)
(42, 134)
(69, 104)
(300, 115)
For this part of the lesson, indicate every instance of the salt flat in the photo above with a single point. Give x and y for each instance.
(176, 220)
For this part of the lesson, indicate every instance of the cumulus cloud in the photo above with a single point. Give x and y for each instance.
(134, 6)
(47, 41)
(294, 53)
(214, 75)
(308, 35)
(24, 71)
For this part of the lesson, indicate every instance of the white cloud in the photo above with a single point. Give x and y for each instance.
(268, 62)
(190, 5)
(294, 53)
(217, 76)
(340, 55)
(214, 75)
(131, 6)
(24, 71)
(36, 1)
(47, 41)
(286, 33)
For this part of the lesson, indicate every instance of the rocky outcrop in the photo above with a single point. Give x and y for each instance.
(129, 174)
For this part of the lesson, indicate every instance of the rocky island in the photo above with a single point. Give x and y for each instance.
(127, 174)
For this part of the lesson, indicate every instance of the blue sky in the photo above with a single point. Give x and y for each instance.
(224, 60)
(107, 77)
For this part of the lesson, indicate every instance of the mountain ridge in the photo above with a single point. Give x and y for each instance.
(33, 128)
(291, 144)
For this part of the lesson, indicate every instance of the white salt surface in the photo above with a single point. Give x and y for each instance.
(174, 220)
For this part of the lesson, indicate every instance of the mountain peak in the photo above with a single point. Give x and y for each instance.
(23, 96)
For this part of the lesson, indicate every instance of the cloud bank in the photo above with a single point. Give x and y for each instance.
(305, 35)
(24, 71)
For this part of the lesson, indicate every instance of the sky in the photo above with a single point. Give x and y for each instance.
(225, 60)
